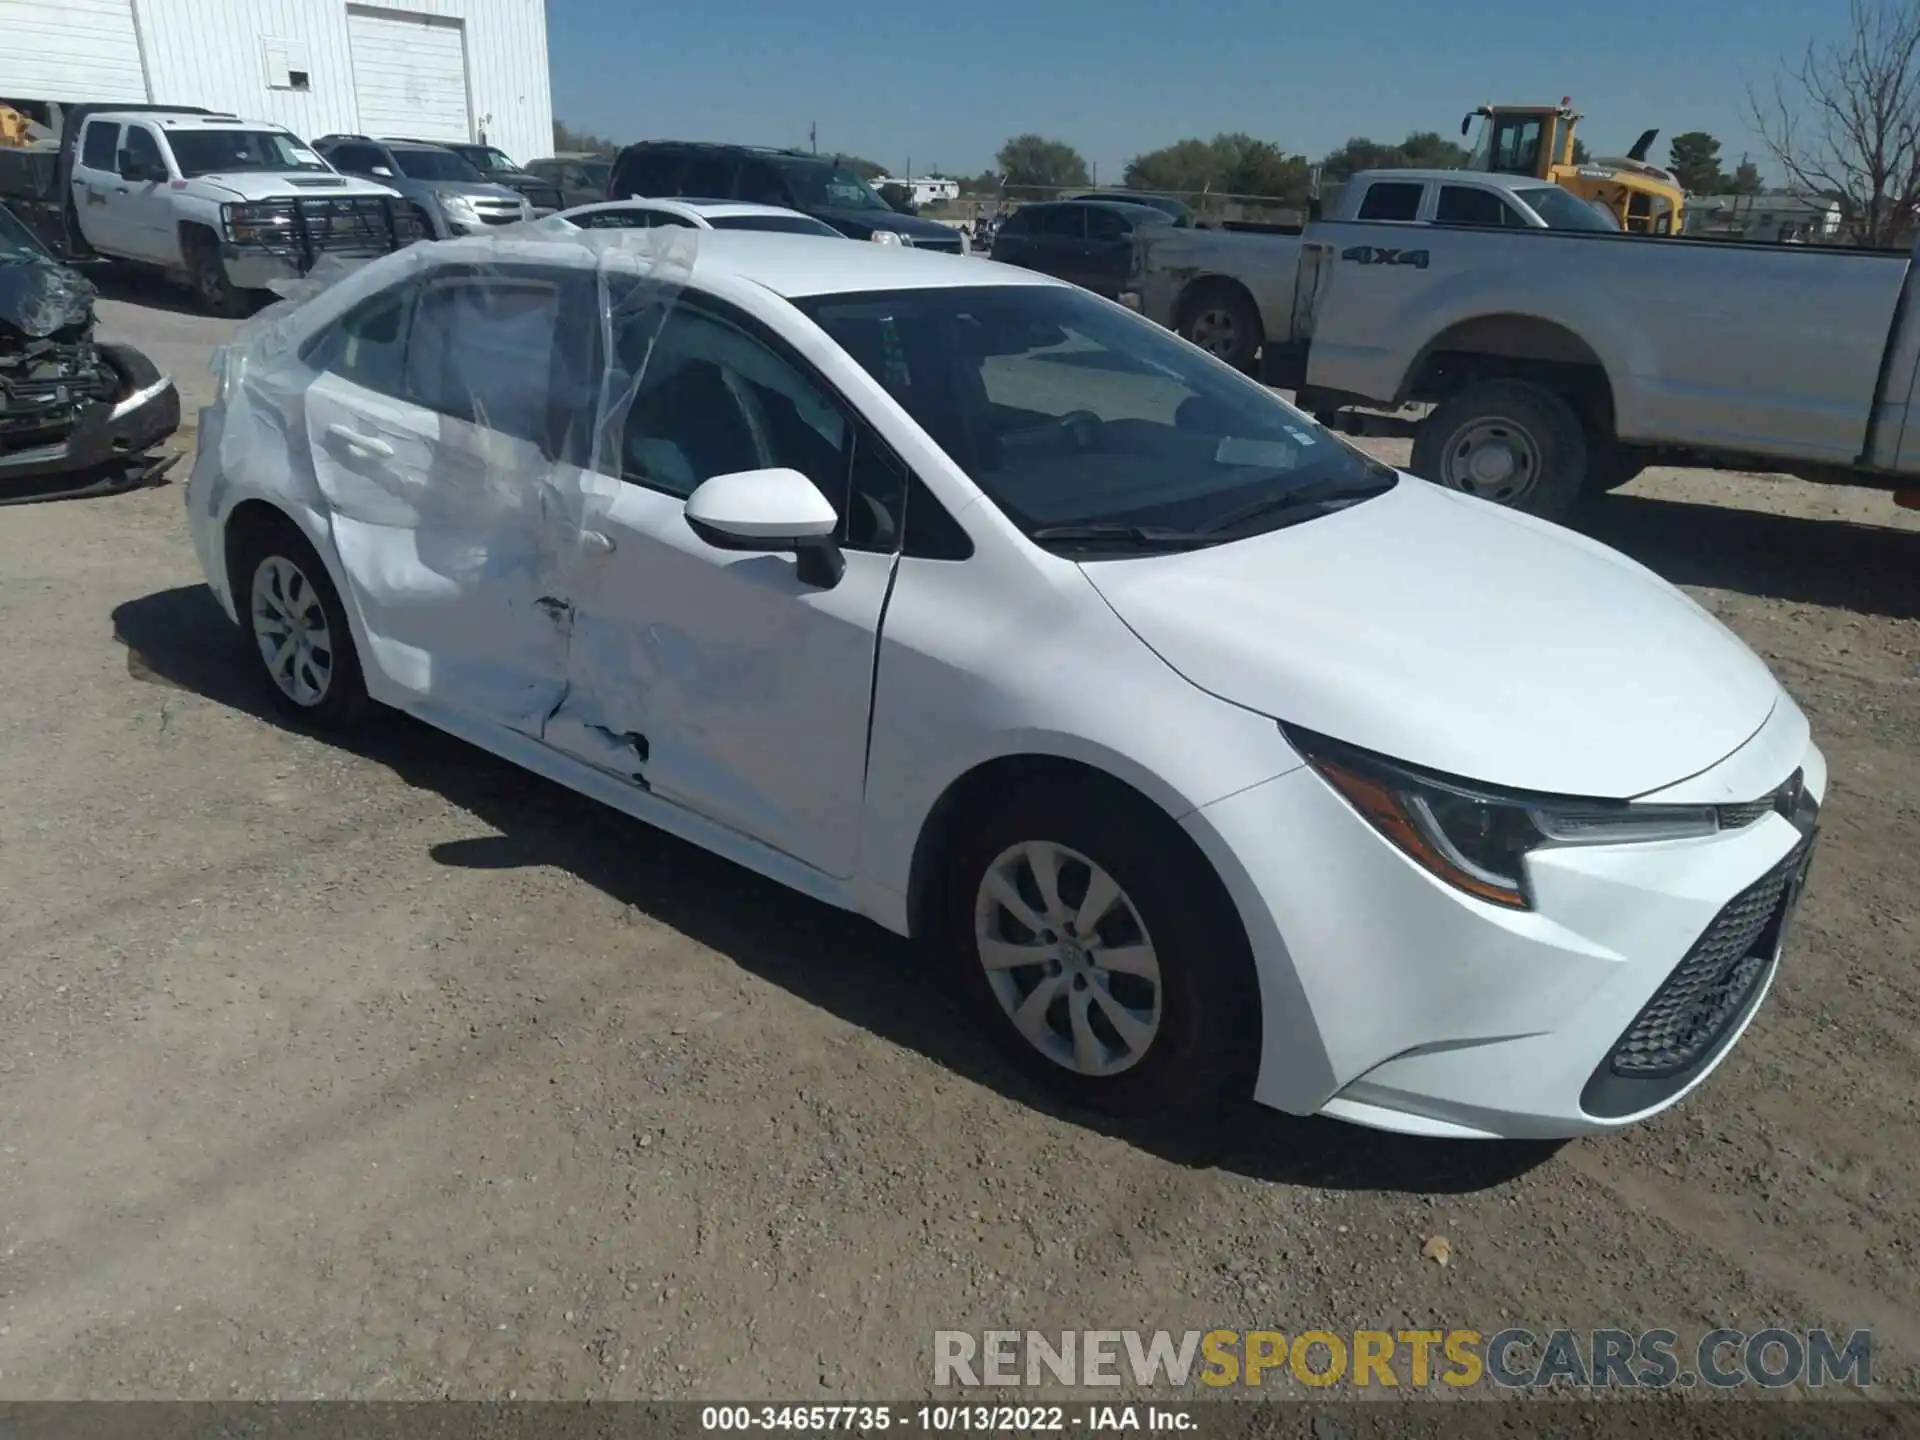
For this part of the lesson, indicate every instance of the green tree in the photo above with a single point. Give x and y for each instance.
(1694, 159)
(1424, 150)
(868, 170)
(987, 182)
(1430, 150)
(1036, 162)
(1225, 165)
(1746, 179)
(1581, 155)
(566, 139)
(1189, 166)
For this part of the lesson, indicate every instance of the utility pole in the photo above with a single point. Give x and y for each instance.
(813, 136)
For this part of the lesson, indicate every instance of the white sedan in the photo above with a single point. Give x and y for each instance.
(688, 214)
(1215, 755)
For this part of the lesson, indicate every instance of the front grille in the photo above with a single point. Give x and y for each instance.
(496, 212)
(357, 223)
(1697, 1003)
(1783, 801)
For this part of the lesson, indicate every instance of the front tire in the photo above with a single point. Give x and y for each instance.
(1100, 951)
(1509, 442)
(207, 274)
(297, 630)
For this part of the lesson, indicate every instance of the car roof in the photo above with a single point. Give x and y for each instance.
(684, 205)
(1485, 179)
(791, 266)
(1089, 202)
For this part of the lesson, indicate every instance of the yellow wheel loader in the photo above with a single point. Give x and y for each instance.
(1537, 140)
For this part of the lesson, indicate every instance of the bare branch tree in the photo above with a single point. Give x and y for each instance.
(1845, 121)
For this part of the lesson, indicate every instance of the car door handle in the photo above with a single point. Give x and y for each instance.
(596, 543)
(366, 444)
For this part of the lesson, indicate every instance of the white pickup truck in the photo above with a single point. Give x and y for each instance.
(228, 205)
(1559, 359)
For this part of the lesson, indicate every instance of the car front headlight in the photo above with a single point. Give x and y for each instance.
(458, 207)
(1477, 838)
(887, 237)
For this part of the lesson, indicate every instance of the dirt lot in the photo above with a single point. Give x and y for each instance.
(385, 1070)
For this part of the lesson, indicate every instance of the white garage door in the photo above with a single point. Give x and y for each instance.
(410, 75)
(72, 51)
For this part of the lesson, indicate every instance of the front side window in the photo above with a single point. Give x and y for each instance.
(760, 184)
(822, 185)
(709, 177)
(714, 399)
(435, 165)
(1564, 211)
(481, 350)
(1072, 416)
(485, 157)
(649, 172)
(230, 152)
(143, 149)
(1465, 205)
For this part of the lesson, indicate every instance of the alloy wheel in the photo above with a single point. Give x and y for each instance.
(1068, 958)
(290, 627)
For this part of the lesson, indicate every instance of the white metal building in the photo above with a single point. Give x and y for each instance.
(428, 69)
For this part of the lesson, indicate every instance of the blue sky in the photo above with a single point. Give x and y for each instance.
(945, 83)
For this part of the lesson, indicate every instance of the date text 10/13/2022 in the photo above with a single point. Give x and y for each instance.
(951, 1419)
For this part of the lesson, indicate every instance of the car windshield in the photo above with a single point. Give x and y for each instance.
(226, 152)
(785, 224)
(16, 241)
(1075, 416)
(598, 172)
(434, 165)
(485, 157)
(1563, 211)
(821, 185)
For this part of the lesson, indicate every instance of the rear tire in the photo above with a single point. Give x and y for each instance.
(1509, 442)
(1613, 467)
(1151, 1006)
(135, 370)
(1223, 321)
(296, 628)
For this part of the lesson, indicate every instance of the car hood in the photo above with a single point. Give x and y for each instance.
(477, 189)
(1449, 633)
(275, 185)
(861, 223)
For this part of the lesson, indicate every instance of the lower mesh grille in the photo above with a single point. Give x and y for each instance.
(1699, 1000)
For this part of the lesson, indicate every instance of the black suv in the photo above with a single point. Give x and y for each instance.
(816, 185)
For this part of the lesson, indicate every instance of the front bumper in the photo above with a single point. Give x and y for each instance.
(108, 449)
(251, 269)
(1395, 1001)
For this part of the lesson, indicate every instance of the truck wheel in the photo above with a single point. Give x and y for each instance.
(134, 370)
(208, 276)
(1506, 441)
(1223, 321)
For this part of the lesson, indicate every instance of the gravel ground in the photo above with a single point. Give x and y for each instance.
(384, 1070)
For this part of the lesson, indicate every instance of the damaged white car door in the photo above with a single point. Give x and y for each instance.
(735, 684)
(426, 425)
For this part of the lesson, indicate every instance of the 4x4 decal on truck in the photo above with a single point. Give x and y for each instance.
(1379, 255)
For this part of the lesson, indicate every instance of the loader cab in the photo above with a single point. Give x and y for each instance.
(1522, 139)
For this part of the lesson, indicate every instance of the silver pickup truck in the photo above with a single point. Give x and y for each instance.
(1558, 359)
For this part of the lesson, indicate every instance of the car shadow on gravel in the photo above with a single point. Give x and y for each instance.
(823, 956)
(1869, 569)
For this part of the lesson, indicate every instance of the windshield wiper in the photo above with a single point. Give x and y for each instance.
(1138, 537)
(1311, 497)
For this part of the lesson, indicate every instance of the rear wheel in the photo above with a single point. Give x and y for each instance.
(1223, 321)
(1509, 442)
(297, 628)
(1613, 467)
(1101, 952)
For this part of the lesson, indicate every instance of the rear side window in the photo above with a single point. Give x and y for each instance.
(101, 149)
(760, 184)
(1464, 205)
(1014, 224)
(616, 220)
(1105, 225)
(648, 172)
(1067, 221)
(482, 351)
(1391, 200)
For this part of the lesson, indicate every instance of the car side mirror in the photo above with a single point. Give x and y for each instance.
(382, 172)
(777, 511)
